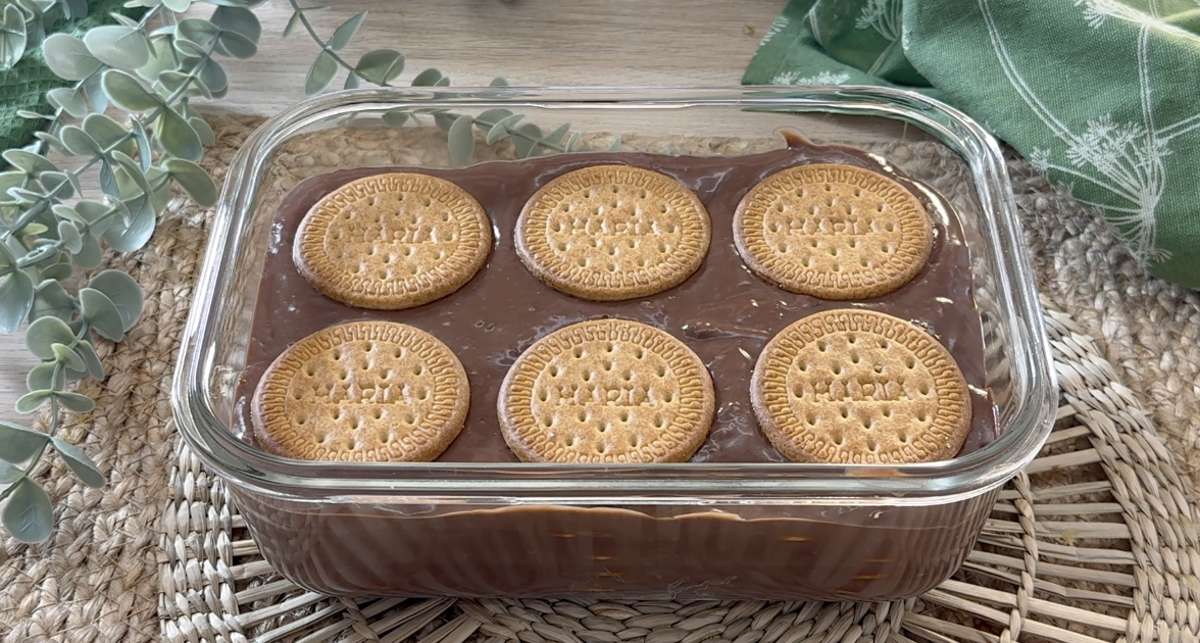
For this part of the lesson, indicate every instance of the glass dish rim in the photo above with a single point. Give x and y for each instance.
(967, 476)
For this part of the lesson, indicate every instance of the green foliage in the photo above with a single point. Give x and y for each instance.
(49, 225)
(382, 66)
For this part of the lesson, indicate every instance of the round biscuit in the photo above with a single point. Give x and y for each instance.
(859, 386)
(833, 231)
(606, 391)
(367, 391)
(613, 232)
(392, 241)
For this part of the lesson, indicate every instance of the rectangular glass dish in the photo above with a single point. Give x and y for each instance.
(696, 529)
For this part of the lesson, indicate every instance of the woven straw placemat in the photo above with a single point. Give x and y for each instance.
(1095, 541)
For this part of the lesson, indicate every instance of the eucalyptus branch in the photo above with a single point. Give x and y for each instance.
(151, 76)
(382, 66)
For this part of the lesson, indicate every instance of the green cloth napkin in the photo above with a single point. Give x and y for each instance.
(25, 85)
(1103, 96)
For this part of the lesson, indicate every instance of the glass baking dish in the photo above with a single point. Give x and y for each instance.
(744, 530)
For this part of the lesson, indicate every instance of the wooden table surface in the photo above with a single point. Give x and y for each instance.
(529, 42)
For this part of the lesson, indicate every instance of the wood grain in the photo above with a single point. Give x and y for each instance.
(529, 42)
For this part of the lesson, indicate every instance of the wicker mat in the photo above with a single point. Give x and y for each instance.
(1095, 541)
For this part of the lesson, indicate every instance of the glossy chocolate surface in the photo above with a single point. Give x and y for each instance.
(723, 312)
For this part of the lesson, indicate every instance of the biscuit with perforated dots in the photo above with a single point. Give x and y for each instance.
(858, 386)
(368, 391)
(833, 231)
(606, 391)
(392, 241)
(613, 232)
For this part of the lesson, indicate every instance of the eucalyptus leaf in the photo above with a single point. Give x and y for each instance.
(57, 184)
(68, 57)
(95, 213)
(72, 240)
(177, 137)
(123, 292)
(12, 36)
(9, 474)
(498, 81)
(108, 181)
(25, 196)
(28, 162)
(91, 359)
(90, 255)
(524, 144)
(108, 133)
(488, 118)
(572, 141)
(189, 50)
(461, 140)
(8, 261)
(44, 333)
(68, 99)
(80, 464)
(12, 179)
(616, 144)
(27, 515)
(73, 179)
(101, 314)
(427, 78)
(52, 299)
(351, 81)
(178, 6)
(127, 236)
(321, 73)
(118, 46)
(501, 128)
(210, 72)
(31, 402)
(203, 130)
(67, 357)
(161, 182)
(58, 272)
(32, 228)
(67, 212)
(128, 93)
(444, 119)
(16, 299)
(240, 31)
(93, 87)
(380, 66)
(344, 33)
(194, 180)
(47, 376)
(444, 81)
(76, 402)
(292, 23)
(132, 169)
(395, 117)
(173, 80)
(197, 31)
(160, 55)
(144, 152)
(52, 141)
(18, 443)
(555, 137)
